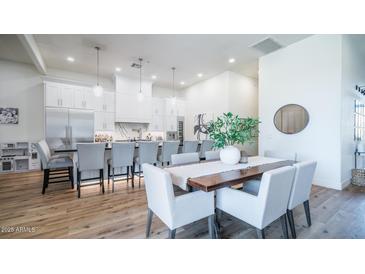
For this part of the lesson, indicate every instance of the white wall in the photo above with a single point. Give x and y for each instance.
(225, 92)
(307, 73)
(21, 87)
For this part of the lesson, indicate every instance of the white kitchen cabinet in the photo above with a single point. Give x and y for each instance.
(83, 98)
(180, 108)
(131, 109)
(131, 86)
(104, 121)
(158, 106)
(58, 95)
(170, 107)
(157, 123)
(170, 123)
(106, 103)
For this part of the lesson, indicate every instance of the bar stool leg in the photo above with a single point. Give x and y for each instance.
(113, 179)
(108, 173)
(139, 176)
(102, 180)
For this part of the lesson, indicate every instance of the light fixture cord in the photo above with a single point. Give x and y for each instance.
(97, 66)
(173, 81)
(140, 75)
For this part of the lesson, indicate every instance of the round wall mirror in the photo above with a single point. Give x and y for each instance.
(291, 119)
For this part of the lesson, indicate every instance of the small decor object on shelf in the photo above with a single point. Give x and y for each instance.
(228, 130)
(9, 116)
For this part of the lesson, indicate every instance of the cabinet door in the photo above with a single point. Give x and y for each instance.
(171, 123)
(158, 106)
(109, 102)
(66, 96)
(52, 92)
(89, 98)
(79, 98)
(157, 123)
(99, 121)
(170, 108)
(180, 105)
(109, 120)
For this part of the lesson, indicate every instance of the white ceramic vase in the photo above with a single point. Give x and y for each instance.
(230, 155)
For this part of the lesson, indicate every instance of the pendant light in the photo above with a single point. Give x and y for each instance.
(98, 89)
(173, 100)
(140, 94)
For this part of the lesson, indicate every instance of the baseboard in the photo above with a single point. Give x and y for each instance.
(326, 184)
(345, 184)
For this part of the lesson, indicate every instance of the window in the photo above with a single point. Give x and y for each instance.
(359, 121)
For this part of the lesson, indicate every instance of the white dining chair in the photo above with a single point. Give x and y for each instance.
(173, 211)
(206, 145)
(190, 146)
(168, 148)
(269, 205)
(185, 158)
(301, 191)
(285, 155)
(90, 158)
(212, 155)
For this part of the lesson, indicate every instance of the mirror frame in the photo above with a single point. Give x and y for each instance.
(286, 106)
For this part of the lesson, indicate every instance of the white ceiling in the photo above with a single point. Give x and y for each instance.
(190, 54)
(12, 50)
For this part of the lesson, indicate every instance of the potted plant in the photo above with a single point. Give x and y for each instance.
(228, 130)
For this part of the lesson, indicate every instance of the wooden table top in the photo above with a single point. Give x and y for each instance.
(219, 180)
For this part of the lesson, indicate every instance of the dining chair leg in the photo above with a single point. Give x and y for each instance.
(102, 180)
(290, 215)
(149, 223)
(113, 179)
(45, 180)
(307, 212)
(211, 226)
(284, 226)
(260, 233)
(172, 233)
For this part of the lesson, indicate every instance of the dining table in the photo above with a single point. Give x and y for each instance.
(212, 175)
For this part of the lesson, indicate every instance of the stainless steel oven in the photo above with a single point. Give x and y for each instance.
(6, 164)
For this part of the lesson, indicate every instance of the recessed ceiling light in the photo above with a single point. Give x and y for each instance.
(70, 59)
(118, 69)
(231, 60)
(182, 83)
(153, 76)
(200, 75)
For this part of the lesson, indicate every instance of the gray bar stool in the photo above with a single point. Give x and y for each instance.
(168, 148)
(122, 156)
(90, 158)
(56, 168)
(190, 146)
(147, 153)
(206, 145)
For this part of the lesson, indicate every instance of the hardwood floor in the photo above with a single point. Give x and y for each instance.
(122, 214)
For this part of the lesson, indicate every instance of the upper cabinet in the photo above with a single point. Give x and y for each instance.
(58, 95)
(68, 96)
(83, 98)
(106, 103)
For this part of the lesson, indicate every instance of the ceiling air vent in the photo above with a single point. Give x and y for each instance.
(267, 45)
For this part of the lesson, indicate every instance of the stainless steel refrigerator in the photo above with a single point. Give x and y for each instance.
(69, 126)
